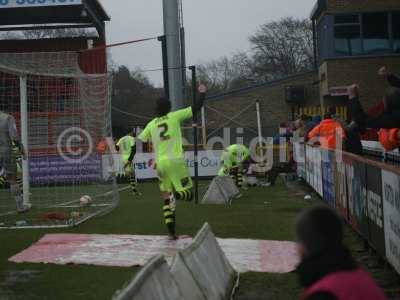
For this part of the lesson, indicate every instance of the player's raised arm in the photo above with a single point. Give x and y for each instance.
(187, 113)
(200, 101)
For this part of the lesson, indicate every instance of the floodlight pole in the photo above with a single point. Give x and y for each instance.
(172, 34)
(259, 124)
(23, 88)
(195, 141)
(164, 52)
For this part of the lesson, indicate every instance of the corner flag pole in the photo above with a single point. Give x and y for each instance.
(195, 141)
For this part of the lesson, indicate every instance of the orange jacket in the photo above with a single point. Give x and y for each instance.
(389, 138)
(326, 132)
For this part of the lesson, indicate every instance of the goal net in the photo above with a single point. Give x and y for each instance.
(64, 120)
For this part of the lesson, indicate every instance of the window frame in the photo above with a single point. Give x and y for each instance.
(335, 25)
(389, 28)
(360, 15)
(391, 31)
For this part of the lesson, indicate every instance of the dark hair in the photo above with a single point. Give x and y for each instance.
(163, 106)
(319, 229)
(330, 112)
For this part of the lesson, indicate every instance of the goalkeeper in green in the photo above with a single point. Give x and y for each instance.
(165, 134)
(235, 161)
(127, 148)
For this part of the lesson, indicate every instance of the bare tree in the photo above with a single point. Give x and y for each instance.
(282, 48)
(57, 33)
(226, 73)
(37, 34)
(133, 97)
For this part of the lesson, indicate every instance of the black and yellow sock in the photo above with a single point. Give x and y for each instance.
(169, 217)
(239, 180)
(3, 181)
(186, 195)
(235, 175)
(133, 184)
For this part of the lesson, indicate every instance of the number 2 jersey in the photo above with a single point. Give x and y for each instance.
(166, 135)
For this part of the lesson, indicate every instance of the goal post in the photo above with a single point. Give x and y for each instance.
(23, 90)
(62, 116)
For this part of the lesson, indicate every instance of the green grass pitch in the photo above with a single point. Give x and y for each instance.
(262, 213)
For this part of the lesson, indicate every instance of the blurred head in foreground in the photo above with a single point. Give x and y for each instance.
(319, 229)
(327, 269)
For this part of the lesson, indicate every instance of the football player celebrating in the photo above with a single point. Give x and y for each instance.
(164, 132)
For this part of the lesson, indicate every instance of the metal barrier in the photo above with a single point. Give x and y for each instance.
(199, 272)
(366, 192)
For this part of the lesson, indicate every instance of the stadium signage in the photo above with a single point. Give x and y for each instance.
(391, 207)
(36, 3)
(375, 209)
(55, 169)
(209, 163)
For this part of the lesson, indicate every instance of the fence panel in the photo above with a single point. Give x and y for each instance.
(318, 171)
(357, 196)
(328, 177)
(300, 159)
(375, 208)
(309, 166)
(340, 186)
(366, 193)
(391, 212)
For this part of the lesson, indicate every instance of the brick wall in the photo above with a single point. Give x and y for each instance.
(334, 6)
(343, 72)
(273, 106)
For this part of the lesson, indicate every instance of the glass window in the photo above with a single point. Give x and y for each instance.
(396, 31)
(347, 35)
(347, 19)
(376, 33)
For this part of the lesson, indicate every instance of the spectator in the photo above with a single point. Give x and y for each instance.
(300, 125)
(327, 269)
(386, 113)
(285, 133)
(389, 138)
(393, 79)
(384, 116)
(352, 142)
(388, 118)
(315, 121)
(327, 131)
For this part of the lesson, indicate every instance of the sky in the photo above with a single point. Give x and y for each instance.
(214, 28)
